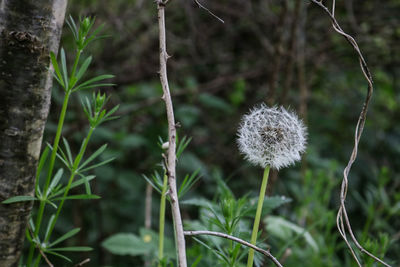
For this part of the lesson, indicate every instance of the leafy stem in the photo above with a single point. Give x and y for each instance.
(49, 174)
(74, 169)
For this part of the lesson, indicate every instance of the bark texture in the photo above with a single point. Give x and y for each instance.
(29, 30)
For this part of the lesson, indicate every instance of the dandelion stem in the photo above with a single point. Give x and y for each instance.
(258, 215)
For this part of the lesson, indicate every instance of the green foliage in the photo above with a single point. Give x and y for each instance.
(53, 191)
(285, 230)
(231, 216)
(237, 67)
(146, 244)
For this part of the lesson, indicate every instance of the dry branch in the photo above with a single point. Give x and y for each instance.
(171, 159)
(238, 240)
(342, 219)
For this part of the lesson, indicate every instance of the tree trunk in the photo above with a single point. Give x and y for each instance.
(29, 30)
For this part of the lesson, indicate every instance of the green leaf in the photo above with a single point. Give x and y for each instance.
(87, 108)
(93, 156)
(213, 102)
(197, 261)
(19, 199)
(51, 203)
(83, 69)
(216, 252)
(58, 255)
(93, 36)
(154, 185)
(67, 235)
(201, 202)
(85, 85)
(74, 184)
(283, 229)
(108, 116)
(31, 225)
(68, 150)
(71, 23)
(188, 182)
(98, 164)
(54, 182)
(126, 244)
(84, 196)
(63, 157)
(94, 86)
(182, 144)
(151, 239)
(42, 161)
(64, 69)
(56, 69)
(81, 249)
(271, 203)
(49, 226)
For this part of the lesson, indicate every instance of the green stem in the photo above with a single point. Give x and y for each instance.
(71, 179)
(258, 215)
(162, 221)
(49, 174)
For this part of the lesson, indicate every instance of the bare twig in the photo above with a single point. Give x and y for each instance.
(342, 219)
(238, 240)
(171, 160)
(209, 11)
(82, 263)
(45, 257)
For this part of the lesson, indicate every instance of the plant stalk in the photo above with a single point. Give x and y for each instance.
(256, 225)
(162, 221)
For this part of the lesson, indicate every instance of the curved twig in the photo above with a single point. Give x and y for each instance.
(342, 219)
(238, 240)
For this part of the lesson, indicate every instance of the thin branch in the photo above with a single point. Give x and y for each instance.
(82, 263)
(45, 257)
(238, 240)
(209, 11)
(342, 219)
(171, 160)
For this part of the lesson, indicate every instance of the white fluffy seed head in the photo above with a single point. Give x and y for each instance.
(271, 137)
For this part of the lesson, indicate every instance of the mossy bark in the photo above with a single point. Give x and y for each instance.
(29, 30)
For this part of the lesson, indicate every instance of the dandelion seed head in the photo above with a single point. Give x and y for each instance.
(271, 137)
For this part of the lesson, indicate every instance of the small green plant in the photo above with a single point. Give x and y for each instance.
(51, 191)
(230, 215)
(164, 246)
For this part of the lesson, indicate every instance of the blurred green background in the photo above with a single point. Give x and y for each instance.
(280, 52)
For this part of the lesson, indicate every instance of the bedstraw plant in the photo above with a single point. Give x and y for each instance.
(51, 191)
